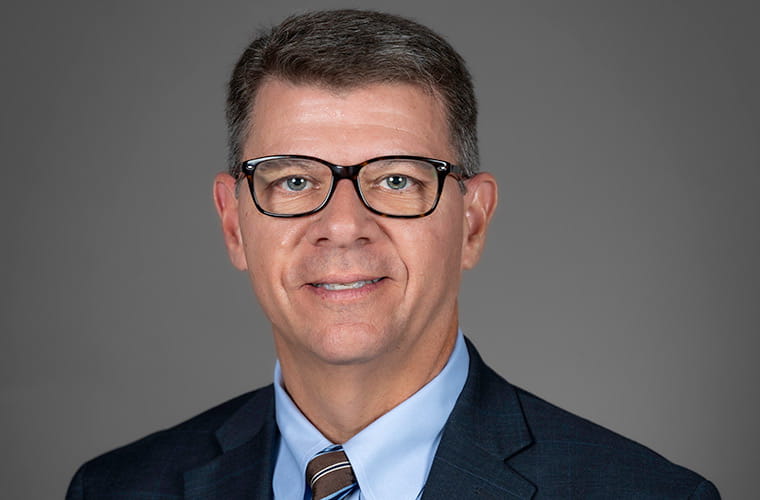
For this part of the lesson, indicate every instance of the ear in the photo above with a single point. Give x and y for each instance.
(479, 205)
(226, 203)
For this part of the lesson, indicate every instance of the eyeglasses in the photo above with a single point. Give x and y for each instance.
(392, 186)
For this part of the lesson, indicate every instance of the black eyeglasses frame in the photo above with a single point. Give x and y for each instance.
(351, 172)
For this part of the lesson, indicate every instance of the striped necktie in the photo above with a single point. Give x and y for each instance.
(329, 475)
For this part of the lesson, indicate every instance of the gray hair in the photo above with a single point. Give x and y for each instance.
(345, 49)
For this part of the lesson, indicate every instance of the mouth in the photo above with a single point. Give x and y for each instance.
(353, 285)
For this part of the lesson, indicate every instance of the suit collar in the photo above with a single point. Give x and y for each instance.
(248, 441)
(486, 428)
(248, 420)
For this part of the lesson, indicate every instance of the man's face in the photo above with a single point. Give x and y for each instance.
(405, 273)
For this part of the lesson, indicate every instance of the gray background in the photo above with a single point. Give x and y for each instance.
(621, 279)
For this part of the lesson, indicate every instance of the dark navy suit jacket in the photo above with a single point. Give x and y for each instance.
(500, 442)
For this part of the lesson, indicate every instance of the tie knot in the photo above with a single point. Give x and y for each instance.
(329, 475)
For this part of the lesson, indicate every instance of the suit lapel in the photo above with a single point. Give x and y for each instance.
(485, 429)
(248, 441)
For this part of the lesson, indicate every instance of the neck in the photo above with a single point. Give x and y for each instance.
(342, 399)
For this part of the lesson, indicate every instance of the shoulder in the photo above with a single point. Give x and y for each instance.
(155, 462)
(561, 454)
(590, 459)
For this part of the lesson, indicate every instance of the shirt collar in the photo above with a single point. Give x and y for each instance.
(392, 456)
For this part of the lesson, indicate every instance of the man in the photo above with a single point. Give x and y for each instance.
(353, 202)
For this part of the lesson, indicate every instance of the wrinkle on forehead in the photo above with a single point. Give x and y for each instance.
(393, 118)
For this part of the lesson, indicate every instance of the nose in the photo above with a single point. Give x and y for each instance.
(345, 221)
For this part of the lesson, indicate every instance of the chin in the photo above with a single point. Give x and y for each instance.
(349, 344)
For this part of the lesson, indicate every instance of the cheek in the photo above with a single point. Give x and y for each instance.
(448, 235)
(270, 246)
(431, 254)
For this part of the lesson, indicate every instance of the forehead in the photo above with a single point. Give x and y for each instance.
(347, 125)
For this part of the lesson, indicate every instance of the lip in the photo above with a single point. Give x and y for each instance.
(346, 286)
(370, 284)
(345, 278)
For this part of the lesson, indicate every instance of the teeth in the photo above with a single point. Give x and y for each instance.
(346, 286)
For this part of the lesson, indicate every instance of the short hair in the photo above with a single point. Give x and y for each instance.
(344, 49)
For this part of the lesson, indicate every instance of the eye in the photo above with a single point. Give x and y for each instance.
(396, 181)
(295, 183)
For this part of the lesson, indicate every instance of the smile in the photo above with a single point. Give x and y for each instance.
(346, 286)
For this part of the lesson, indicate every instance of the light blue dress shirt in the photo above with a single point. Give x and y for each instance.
(391, 457)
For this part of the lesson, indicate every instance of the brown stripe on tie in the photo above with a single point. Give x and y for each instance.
(329, 473)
